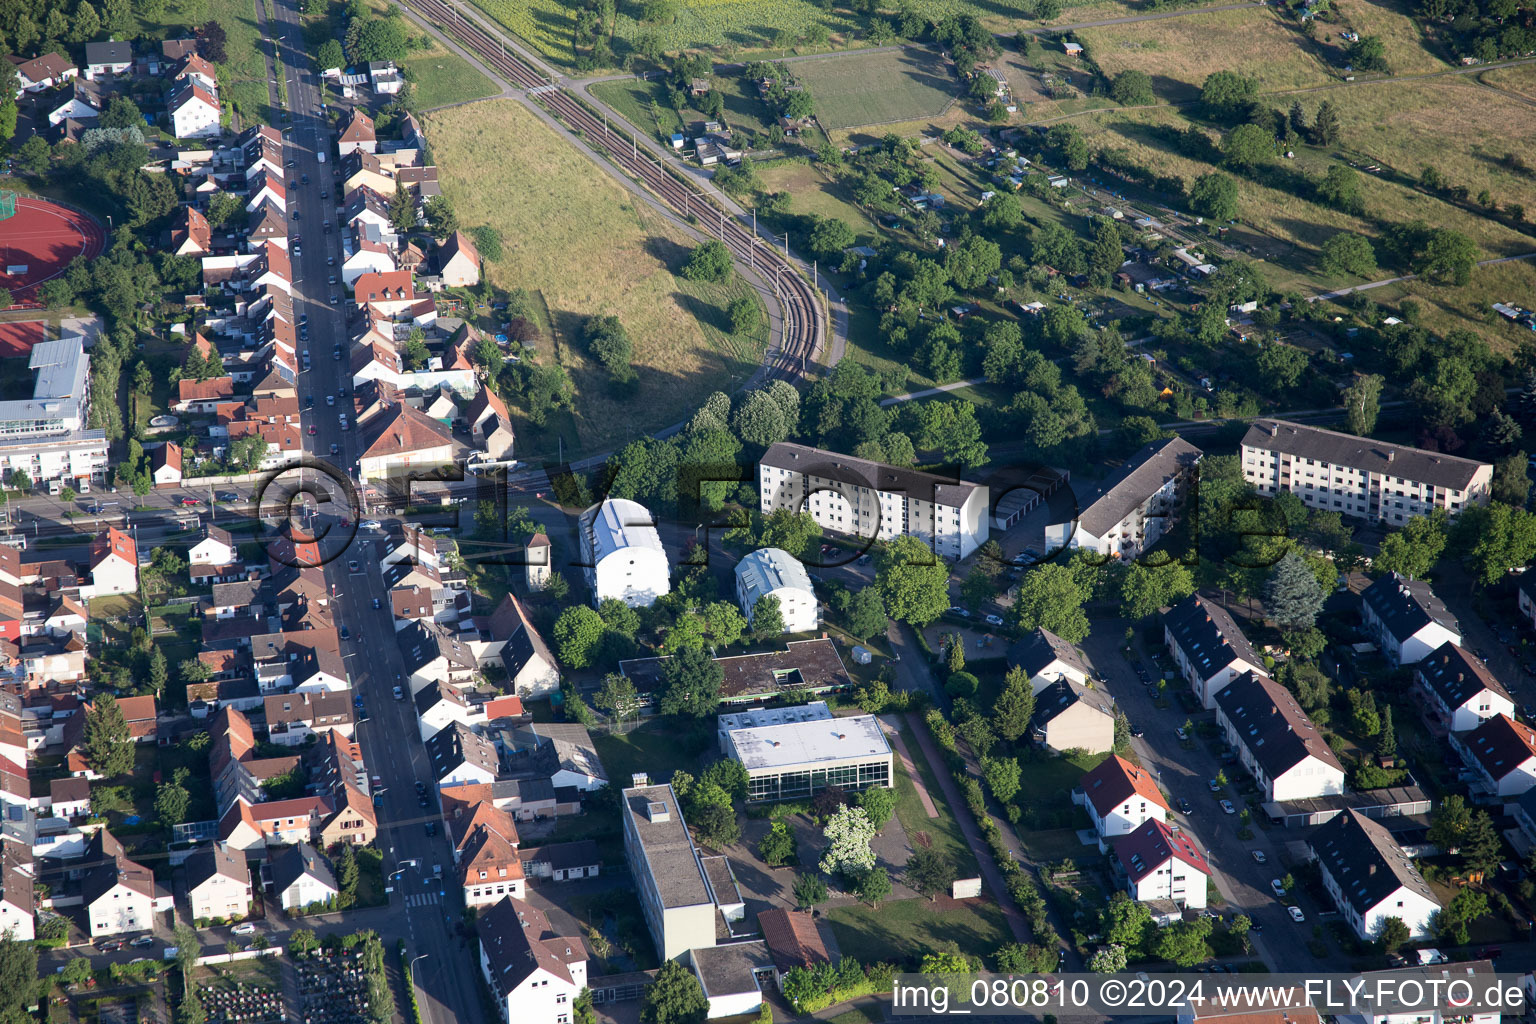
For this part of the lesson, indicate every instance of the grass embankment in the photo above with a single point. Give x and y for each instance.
(590, 246)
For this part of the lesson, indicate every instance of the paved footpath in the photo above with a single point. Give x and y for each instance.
(892, 726)
(991, 874)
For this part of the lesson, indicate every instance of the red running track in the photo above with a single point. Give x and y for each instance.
(44, 237)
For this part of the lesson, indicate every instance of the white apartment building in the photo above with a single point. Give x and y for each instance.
(1360, 476)
(1370, 877)
(622, 555)
(534, 975)
(774, 572)
(83, 455)
(868, 499)
(1276, 741)
(1136, 506)
(1407, 619)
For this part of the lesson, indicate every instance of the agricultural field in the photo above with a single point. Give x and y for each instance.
(1408, 51)
(591, 247)
(861, 89)
(1179, 53)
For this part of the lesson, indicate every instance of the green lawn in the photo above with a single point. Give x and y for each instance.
(901, 932)
(649, 748)
(443, 78)
(852, 90)
(942, 833)
(1046, 797)
(243, 74)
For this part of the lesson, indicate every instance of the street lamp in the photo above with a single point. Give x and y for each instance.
(412, 972)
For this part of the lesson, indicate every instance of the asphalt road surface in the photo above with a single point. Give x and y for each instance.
(426, 911)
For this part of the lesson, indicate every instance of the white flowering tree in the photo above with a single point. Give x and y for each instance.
(1107, 959)
(848, 834)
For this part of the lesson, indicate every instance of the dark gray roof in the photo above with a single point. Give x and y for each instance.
(1365, 861)
(1208, 635)
(237, 594)
(1039, 649)
(560, 856)
(524, 791)
(297, 861)
(216, 859)
(1063, 694)
(572, 748)
(1142, 476)
(421, 643)
(1500, 745)
(667, 851)
(433, 694)
(1272, 725)
(108, 53)
(1362, 453)
(458, 744)
(1456, 675)
(512, 937)
(847, 469)
(731, 969)
(1406, 606)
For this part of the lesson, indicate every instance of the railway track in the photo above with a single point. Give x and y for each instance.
(804, 324)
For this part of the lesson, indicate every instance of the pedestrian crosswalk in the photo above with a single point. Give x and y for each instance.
(422, 899)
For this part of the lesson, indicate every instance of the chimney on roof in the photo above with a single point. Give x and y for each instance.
(1391, 456)
(1274, 430)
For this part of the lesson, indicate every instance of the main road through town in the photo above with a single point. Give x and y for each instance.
(426, 908)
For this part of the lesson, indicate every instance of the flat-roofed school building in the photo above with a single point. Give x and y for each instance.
(791, 753)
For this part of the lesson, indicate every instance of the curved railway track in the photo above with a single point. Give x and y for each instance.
(804, 325)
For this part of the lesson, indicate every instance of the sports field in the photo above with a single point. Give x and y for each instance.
(590, 246)
(859, 89)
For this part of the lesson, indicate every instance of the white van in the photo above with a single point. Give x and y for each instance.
(54, 487)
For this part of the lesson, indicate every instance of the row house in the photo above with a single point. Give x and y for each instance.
(1275, 740)
(1406, 618)
(1369, 877)
(1501, 754)
(1207, 646)
(1459, 690)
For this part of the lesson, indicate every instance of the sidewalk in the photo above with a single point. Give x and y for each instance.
(991, 874)
(898, 743)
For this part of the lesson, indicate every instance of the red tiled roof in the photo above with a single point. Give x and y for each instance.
(1153, 845)
(114, 542)
(204, 390)
(1116, 780)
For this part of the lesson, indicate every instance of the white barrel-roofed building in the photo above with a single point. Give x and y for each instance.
(774, 572)
(622, 553)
